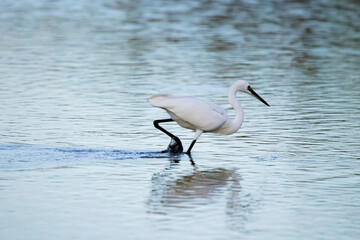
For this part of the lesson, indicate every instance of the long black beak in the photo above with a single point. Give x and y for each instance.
(257, 96)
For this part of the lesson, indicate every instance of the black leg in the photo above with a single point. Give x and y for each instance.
(188, 152)
(175, 145)
(156, 124)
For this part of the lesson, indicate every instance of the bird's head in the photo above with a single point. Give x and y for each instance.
(245, 87)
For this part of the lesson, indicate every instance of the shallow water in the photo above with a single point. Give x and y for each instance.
(79, 156)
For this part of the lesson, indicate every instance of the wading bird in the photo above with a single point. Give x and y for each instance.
(200, 115)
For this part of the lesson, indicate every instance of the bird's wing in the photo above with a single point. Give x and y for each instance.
(202, 114)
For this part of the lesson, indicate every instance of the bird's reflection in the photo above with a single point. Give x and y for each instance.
(173, 190)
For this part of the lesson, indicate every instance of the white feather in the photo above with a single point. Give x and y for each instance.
(189, 112)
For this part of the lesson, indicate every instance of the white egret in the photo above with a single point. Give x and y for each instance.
(200, 115)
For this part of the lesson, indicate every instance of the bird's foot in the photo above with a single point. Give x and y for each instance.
(175, 146)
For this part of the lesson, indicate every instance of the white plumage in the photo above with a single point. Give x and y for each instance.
(189, 112)
(204, 116)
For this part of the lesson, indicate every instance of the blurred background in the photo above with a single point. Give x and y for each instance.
(74, 81)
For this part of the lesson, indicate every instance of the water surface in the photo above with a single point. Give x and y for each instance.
(79, 156)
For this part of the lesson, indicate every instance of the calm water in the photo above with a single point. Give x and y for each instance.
(79, 156)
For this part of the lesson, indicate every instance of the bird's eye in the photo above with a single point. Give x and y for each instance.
(249, 88)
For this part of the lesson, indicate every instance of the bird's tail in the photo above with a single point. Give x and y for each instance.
(156, 100)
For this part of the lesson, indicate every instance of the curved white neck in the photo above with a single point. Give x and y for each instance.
(236, 123)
